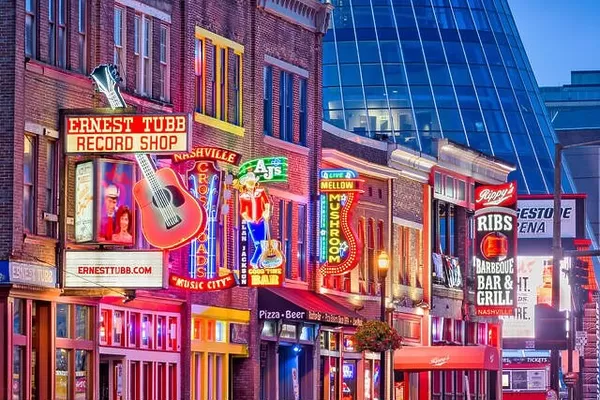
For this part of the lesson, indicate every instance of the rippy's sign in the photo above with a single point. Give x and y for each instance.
(339, 249)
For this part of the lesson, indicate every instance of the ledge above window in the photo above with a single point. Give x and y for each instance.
(282, 144)
(219, 124)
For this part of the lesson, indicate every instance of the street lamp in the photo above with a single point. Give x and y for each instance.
(383, 263)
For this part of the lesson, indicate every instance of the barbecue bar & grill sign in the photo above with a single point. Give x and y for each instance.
(496, 249)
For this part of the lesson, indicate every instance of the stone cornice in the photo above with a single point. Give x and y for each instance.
(310, 14)
(359, 165)
(411, 164)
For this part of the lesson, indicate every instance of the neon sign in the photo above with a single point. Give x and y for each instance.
(207, 184)
(339, 251)
(264, 266)
(496, 249)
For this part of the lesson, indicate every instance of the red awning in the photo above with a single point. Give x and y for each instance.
(432, 358)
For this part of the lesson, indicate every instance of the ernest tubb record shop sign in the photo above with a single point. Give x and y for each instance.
(496, 249)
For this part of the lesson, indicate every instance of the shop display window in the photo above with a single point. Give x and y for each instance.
(146, 330)
(376, 377)
(349, 343)
(220, 331)
(349, 371)
(172, 334)
(83, 379)
(62, 320)
(61, 391)
(197, 328)
(307, 333)
(161, 328)
(104, 326)
(268, 329)
(82, 322)
(117, 328)
(18, 384)
(133, 328)
(18, 316)
(210, 331)
(289, 331)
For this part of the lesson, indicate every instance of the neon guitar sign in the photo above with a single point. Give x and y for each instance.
(170, 215)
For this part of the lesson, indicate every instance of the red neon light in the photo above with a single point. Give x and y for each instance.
(265, 277)
(496, 196)
(170, 215)
(204, 153)
(202, 285)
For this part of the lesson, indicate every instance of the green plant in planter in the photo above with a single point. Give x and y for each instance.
(377, 336)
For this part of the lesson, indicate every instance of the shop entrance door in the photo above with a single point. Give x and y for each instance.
(41, 350)
(104, 384)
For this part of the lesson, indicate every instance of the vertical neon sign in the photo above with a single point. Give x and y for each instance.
(339, 250)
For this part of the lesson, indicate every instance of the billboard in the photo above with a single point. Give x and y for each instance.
(534, 286)
(536, 218)
(84, 202)
(114, 269)
(496, 249)
(126, 133)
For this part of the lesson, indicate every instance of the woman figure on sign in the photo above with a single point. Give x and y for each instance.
(123, 219)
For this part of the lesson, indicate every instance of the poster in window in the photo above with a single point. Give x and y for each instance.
(115, 218)
(84, 202)
(349, 380)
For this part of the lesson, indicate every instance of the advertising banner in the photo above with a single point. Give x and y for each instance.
(536, 218)
(114, 269)
(84, 202)
(496, 249)
(27, 274)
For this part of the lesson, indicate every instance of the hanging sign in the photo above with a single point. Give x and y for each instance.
(339, 250)
(207, 183)
(262, 266)
(496, 249)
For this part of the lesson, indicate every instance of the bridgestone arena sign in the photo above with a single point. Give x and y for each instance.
(496, 249)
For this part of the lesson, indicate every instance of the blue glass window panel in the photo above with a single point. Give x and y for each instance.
(345, 35)
(441, 3)
(542, 154)
(488, 100)
(487, 36)
(390, 51)
(330, 76)
(379, 2)
(527, 81)
(495, 122)
(427, 141)
(444, 97)
(350, 75)
(444, 17)
(515, 78)
(456, 136)
(466, 97)
(403, 119)
(476, 4)
(532, 125)
(332, 98)
(372, 74)
(474, 53)
(408, 34)
(503, 147)
(508, 101)
(329, 37)
(515, 123)
(454, 53)
(376, 97)
(473, 120)
(356, 121)
(434, 52)
(394, 74)
(380, 121)
(439, 75)
(460, 74)
(507, 56)
(566, 184)
(353, 97)
(412, 51)
(421, 96)
(493, 54)
(405, 17)
(532, 173)
(501, 39)
(523, 100)
(347, 52)
(479, 141)
(450, 120)
(329, 54)
(398, 96)
(469, 35)
(480, 19)
(383, 17)
(459, 3)
(463, 19)
(427, 120)
(363, 17)
(365, 34)
(342, 18)
(361, 2)
(387, 34)
(417, 74)
(430, 34)
(495, 22)
(368, 51)
(537, 107)
(450, 35)
(335, 117)
(420, 3)
(425, 17)
(500, 77)
(518, 176)
(481, 76)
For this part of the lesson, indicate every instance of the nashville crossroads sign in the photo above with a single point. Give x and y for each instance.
(127, 133)
(496, 249)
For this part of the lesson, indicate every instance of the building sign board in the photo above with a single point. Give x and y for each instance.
(114, 269)
(535, 218)
(339, 249)
(127, 133)
(266, 169)
(27, 274)
(496, 249)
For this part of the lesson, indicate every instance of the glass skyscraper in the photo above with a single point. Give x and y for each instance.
(410, 71)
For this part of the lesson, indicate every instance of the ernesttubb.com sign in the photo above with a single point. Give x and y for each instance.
(118, 269)
(535, 218)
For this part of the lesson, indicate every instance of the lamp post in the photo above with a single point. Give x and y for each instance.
(383, 264)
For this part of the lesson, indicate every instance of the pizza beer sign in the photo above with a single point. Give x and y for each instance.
(496, 249)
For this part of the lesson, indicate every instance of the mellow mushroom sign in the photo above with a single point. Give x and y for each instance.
(496, 249)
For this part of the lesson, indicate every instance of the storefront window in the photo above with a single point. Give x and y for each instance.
(220, 334)
(82, 382)
(18, 316)
(17, 380)
(62, 375)
(368, 380)
(197, 329)
(104, 319)
(376, 376)
(62, 320)
(117, 328)
(82, 322)
(172, 333)
(289, 331)
(349, 343)
(268, 329)
(307, 333)
(133, 327)
(160, 332)
(334, 341)
(334, 378)
(146, 329)
(349, 380)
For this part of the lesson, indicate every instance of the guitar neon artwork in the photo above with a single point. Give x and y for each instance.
(170, 216)
(271, 256)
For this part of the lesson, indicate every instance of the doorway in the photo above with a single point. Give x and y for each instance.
(104, 381)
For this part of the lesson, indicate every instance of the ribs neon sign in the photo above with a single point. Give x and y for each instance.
(339, 250)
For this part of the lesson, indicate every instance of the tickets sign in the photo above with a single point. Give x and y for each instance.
(123, 133)
(496, 249)
(339, 251)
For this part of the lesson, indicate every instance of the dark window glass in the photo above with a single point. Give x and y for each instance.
(376, 97)
(405, 17)
(268, 100)
(480, 19)
(500, 77)
(473, 121)
(383, 17)
(460, 75)
(421, 96)
(417, 74)
(363, 17)
(488, 98)
(444, 17)
(434, 52)
(29, 187)
(390, 51)
(474, 53)
(394, 74)
(372, 74)
(332, 98)
(494, 121)
(493, 54)
(412, 51)
(353, 97)
(507, 56)
(466, 97)
(450, 120)
(454, 52)
(346, 52)
(302, 248)
(288, 239)
(427, 120)
(223, 65)
(398, 96)
(330, 76)
(199, 69)
(350, 75)
(329, 53)
(342, 17)
(30, 28)
(515, 79)
(444, 96)
(503, 146)
(369, 52)
(19, 316)
(63, 318)
(481, 75)
(303, 116)
(463, 19)
(507, 99)
(425, 17)
(439, 75)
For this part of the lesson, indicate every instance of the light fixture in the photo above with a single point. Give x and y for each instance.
(296, 348)
(422, 304)
(383, 261)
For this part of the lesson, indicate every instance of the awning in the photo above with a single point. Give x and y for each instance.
(434, 358)
(303, 305)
